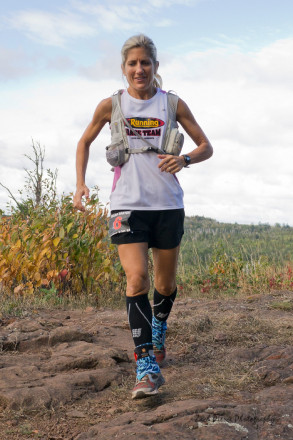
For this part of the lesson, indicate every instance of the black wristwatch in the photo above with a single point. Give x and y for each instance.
(187, 160)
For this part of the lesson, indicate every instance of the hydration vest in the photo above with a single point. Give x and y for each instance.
(118, 152)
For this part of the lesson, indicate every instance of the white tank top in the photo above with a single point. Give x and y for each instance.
(139, 184)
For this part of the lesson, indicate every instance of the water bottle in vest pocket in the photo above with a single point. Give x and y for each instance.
(116, 154)
(174, 143)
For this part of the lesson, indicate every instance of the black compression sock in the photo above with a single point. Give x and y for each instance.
(163, 305)
(139, 313)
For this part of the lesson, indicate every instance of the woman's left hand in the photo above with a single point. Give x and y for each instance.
(171, 164)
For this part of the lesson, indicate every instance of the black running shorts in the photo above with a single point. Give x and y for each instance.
(160, 229)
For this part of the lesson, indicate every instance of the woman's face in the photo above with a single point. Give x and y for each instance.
(139, 70)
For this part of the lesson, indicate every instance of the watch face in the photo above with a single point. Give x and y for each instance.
(187, 159)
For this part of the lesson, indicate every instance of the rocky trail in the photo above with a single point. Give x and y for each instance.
(67, 374)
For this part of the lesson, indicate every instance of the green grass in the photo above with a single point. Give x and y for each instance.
(283, 305)
(19, 306)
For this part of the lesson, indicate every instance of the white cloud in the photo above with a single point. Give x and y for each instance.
(129, 15)
(54, 113)
(242, 101)
(272, 63)
(51, 29)
(168, 3)
(238, 97)
(165, 22)
(60, 64)
(112, 15)
(14, 63)
(83, 20)
(107, 66)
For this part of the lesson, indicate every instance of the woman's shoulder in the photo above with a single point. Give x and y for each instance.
(106, 103)
(104, 110)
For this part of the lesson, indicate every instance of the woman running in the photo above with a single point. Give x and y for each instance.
(146, 202)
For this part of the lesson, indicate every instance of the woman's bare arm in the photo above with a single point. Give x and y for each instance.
(101, 116)
(203, 151)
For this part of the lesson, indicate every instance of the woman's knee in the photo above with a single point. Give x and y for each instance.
(166, 288)
(137, 284)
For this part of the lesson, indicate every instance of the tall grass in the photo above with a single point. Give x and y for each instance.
(232, 269)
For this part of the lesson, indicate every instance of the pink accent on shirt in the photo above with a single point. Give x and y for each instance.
(117, 174)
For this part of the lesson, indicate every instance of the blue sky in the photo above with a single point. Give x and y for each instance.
(231, 61)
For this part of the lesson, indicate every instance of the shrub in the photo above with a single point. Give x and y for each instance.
(58, 246)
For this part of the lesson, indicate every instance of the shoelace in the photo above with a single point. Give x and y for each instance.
(143, 380)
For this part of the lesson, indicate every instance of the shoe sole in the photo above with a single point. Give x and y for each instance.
(143, 394)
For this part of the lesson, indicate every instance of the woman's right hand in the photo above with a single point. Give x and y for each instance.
(77, 199)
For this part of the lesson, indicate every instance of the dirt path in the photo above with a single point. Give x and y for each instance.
(67, 374)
